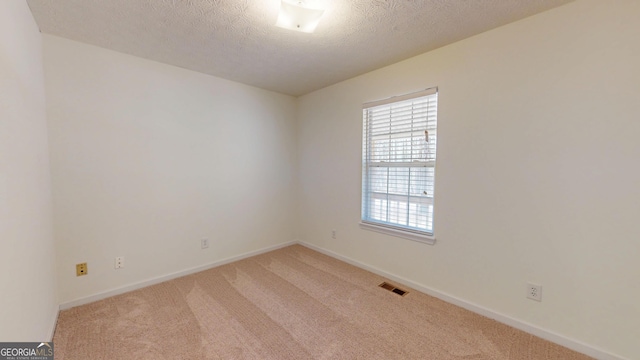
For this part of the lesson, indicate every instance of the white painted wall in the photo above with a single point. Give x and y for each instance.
(28, 303)
(537, 175)
(147, 159)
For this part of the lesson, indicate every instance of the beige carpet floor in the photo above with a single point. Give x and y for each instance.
(292, 303)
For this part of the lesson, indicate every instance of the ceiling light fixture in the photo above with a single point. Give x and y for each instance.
(298, 15)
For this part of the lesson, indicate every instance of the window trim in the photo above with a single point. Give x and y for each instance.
(420, 237)
(390, 229)
(393, 99)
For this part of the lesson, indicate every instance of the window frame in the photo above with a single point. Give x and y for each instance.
(387, 227)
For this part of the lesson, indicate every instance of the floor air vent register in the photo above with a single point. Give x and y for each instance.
(393, 289)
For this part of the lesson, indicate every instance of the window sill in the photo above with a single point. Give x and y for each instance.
(425, 239)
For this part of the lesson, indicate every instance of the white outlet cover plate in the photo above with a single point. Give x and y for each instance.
(534, 292)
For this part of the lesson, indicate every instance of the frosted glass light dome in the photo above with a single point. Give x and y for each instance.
(299, 16)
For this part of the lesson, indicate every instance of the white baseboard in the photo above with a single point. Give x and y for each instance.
(163, 278)
(53, 323)
(518, 324)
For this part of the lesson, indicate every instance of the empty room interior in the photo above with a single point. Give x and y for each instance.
(203, 179)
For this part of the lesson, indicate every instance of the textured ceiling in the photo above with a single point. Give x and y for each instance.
(237, 39)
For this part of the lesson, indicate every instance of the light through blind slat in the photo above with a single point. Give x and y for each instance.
(398, 161)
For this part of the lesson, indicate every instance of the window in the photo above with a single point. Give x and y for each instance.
(398, 165)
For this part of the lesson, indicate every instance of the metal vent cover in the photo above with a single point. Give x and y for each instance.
(385, 285)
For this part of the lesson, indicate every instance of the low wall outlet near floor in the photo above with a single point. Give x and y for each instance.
(204, 243)
(81, 269)
(119, 262)
(534, 292)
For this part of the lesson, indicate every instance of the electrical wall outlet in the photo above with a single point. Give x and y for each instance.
(204, 243)
(333, 234)
(81, 269)
(119, 262)
(534, 292)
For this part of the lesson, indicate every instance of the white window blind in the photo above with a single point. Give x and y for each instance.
(398, 162)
